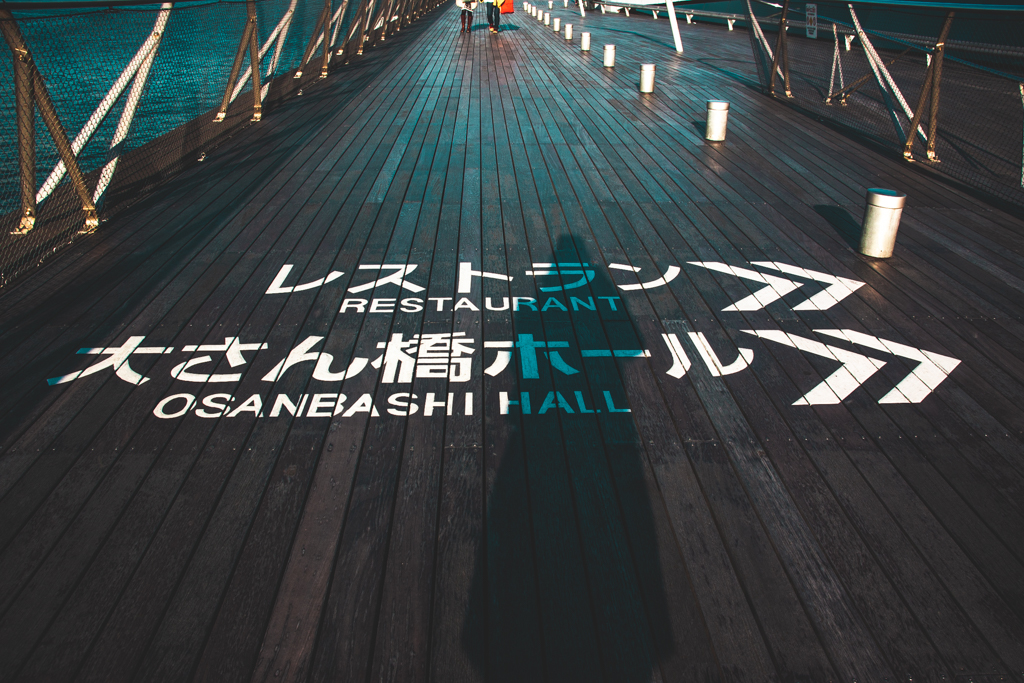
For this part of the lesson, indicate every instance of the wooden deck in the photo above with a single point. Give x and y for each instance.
(807, 487)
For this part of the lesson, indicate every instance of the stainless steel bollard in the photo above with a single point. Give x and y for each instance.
(609, 55)
(585, 42)
(568, 31)
(718, 120)
(881, 220)
(547, 18)
(557, 27)
(646, 78)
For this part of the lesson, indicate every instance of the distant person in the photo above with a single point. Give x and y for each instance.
(494, 14)
(467, 7)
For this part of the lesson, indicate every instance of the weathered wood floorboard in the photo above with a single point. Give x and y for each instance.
(551, 390)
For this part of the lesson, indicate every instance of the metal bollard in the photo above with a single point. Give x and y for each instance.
(718, 120)
(646, 77)
(551, 4)
(584, 42)
(609, 55)
(881, 220)
(547, 18)
(557, 26)
(568, 31)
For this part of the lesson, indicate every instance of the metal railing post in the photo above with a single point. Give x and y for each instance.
(933, 115)
(932, 78)
(38, 95)
(325, 18)
(254, 60)
(327, 38)
(250, 41)
(26, 140)
(781, 55)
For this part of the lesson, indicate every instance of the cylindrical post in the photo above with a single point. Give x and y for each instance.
(557, 27)
(547, 18)
(584, 42)
(551, 4)
(646, 77)
(718, 120)
(609, 55)
(881, 221)
(568, 31)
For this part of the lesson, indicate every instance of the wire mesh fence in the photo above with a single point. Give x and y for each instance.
(99, 105)
(949, 82)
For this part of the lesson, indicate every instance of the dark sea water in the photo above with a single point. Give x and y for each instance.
(81, 53)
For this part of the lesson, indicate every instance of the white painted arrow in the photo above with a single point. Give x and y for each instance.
(276, 287)
(856, 368)
(776, 289)
(932, 367)
(838, 287)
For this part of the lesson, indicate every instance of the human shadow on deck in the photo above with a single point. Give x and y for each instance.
(568, 584)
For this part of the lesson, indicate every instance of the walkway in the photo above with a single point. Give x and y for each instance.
(472, 363)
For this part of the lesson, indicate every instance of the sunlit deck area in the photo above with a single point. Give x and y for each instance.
(473, 363)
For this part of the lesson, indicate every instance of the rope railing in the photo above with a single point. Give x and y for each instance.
(102, 101)
(941, 83)
(879, 69)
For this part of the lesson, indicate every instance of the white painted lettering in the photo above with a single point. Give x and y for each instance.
(491, 307)
(403, 404)
(504, 402)
(611, 404)
(430, 404)
(412, 305)
(215, 401)
(554, 399)
(465, 303)
(161, 407)
(364, 404)
(440, 301)
(525, 301)
(253, 404)
(382, 306)
(589, 304)
(321, 401)
(282, 401)
(339, 405)
(358, 304)
(552, 302)
(581, 404)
